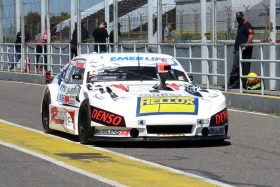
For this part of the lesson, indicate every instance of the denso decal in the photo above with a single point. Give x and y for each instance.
(166, 105)
(106, 118)
(220, 118)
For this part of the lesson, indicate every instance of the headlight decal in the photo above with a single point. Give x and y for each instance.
(106, 118)
(166, 105)
(220, 118)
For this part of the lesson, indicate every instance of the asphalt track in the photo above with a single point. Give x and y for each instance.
(31, 158)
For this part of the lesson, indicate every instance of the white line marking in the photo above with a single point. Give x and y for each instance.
(24, 83)
(256, 113)
(62, 164)
(119, 154)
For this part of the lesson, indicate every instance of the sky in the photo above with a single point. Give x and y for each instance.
(56, 7)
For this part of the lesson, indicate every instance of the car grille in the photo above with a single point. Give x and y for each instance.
(169, 129)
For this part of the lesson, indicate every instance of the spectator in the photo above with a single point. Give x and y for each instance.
(245, 35)
(74, 41)
(53, 33)
(100, 35)
(166, 32)
(41, 48)
(16, 58)
(111, 37)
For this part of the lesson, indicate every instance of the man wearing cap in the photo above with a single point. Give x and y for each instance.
(100, 35)
(111, 38)
(245, 35)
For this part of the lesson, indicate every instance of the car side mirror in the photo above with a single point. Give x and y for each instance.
(190, 77)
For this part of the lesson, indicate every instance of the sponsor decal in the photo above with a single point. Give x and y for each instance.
(79, 64)
(220, 118)
(213, 95)
(170, 135)
(147, 59)
(98, 96)
(220, 130)
(62, 117)
(111, 132)
(174, 86)
(106, 118)
(120, 86)
(166, 105)
(158, 94)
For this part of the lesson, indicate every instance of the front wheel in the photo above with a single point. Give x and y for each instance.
(45, 113)
(84, 122)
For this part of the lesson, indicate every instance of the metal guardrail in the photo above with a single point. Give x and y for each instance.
(189, 54)
(261, 61)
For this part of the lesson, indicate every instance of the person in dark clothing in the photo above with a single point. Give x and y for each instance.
(16, 58)
(111, 37)
(53, 33)
(245, 35)
(100, 35)
(74, 41)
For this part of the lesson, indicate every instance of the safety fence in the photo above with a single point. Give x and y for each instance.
(196, 58)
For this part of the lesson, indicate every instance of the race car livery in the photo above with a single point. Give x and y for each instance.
(131, 97)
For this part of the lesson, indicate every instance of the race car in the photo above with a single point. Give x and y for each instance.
(132, 97)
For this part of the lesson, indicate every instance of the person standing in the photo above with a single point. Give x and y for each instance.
(245, 35)
(53, 33)
(100, 35)
(74, 41)
(111, 37)
(17, 57)
(166, 32)
(42, 48)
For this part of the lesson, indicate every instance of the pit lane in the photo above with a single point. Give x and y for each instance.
(249, 158)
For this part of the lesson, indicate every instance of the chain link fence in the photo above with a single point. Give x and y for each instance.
(186, 19)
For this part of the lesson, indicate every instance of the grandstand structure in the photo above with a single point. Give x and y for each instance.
(132, 14)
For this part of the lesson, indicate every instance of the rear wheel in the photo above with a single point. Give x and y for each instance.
(84, 122)
(45, 113)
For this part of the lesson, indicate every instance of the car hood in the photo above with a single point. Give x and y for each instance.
(142, 99)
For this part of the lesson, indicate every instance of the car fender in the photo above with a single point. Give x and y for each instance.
(52, 89)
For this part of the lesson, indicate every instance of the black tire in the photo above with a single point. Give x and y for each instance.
(84, 122)
(45, 113)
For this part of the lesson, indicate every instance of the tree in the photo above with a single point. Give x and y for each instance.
(33, 23)
(57, 19)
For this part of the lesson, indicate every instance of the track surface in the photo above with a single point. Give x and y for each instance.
(250, 158)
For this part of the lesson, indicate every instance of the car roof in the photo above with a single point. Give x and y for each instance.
(128, 59)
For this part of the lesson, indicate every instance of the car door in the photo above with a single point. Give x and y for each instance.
(70, 84)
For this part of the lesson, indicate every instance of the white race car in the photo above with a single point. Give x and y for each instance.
(132, 97)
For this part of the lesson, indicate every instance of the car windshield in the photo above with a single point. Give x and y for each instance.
(131, 74)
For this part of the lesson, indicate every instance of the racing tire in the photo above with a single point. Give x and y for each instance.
(45, 113)
(84, 122)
